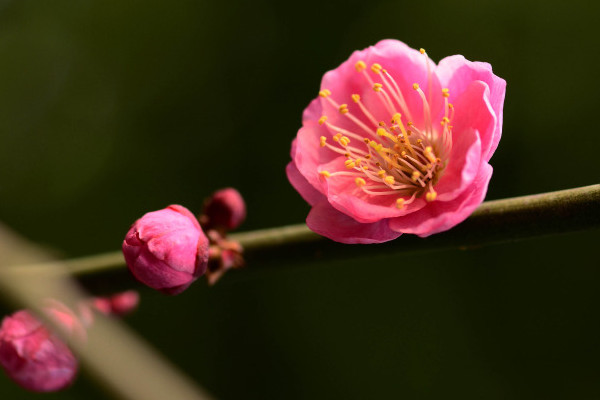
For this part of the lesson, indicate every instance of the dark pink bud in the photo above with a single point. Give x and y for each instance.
(166, 249)
(124, 303)
(118, 304)
(225, 210)
(33, 356)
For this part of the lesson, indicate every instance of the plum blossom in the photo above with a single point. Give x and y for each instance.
(33, 356)
(397, 144)
(167, 249)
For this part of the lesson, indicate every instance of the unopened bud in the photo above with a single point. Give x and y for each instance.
(34, 357)
(166, 249)
(224, 211)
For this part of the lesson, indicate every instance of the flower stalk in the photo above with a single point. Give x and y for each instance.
(494, 221)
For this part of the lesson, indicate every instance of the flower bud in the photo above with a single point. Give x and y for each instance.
(224, 211)
(117, 304)
(166, 249)
(33, 356)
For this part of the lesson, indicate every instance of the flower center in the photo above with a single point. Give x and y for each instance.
(394, 157)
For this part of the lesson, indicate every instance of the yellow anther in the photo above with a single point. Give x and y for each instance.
(323, 140)
(375, 145)
(343, 108)
(400, 203)
(336, 137)
(358, 161)
(322, 120)
(366, 140)
(422, 51)
(389, 180)
(415, 86)
(360, 66)
(415, 175)
(450, 105)
(403, 154)
(445, 120)
(381, 132)
(325, 174)
(346, 155)
(349, 164)
(376, 68)
(368, 157)
(324, 93)
(396, 118)
(360, 182)
(377, 87)
(356, 98)
(429, 154)
(446, 92)
(431, 196)
(381, 173)
(419, 141)
(381, 123)
(344, 141)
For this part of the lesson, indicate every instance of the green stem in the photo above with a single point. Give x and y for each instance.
(493, 222)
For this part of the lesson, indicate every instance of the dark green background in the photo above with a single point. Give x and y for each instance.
(112, 109)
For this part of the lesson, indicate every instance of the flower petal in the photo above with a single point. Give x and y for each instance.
(457, 73)
(440, 216)
(329, 222)
(463, 165)
(299, 182)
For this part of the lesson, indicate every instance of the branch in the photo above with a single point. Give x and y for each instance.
(493, 222)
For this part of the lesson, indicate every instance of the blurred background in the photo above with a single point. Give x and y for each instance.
(112, 109)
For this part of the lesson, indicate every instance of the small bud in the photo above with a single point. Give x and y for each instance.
(224, 211)
(33, 356)
(118, 304)
(166, 249)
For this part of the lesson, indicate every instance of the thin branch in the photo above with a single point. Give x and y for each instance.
(493, 222)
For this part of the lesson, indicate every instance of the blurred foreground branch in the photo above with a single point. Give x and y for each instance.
(120, 360)
(493, 222)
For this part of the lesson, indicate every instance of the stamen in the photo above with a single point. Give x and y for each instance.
(325, 174)
(360, 66)
(360, 182)
(400, 203)
(323, 140)
(324, 93)
(430, 196)
(322, 120)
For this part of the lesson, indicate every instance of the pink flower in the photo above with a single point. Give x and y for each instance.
(225, 210)
(166, 249)
(34, 357)
(395, 144)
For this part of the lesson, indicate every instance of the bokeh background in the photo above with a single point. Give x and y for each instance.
(112, 109)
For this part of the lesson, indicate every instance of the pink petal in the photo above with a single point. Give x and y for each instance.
(463, 166)
(440, 216)
(345, 196)
(456, 73)
(327, 221)
(299, 182)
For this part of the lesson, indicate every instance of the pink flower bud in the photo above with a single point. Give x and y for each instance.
(34, 357)
(166, 249)
(118, 304)
(225, 210)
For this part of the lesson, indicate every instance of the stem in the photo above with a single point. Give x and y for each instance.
(493, 222)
